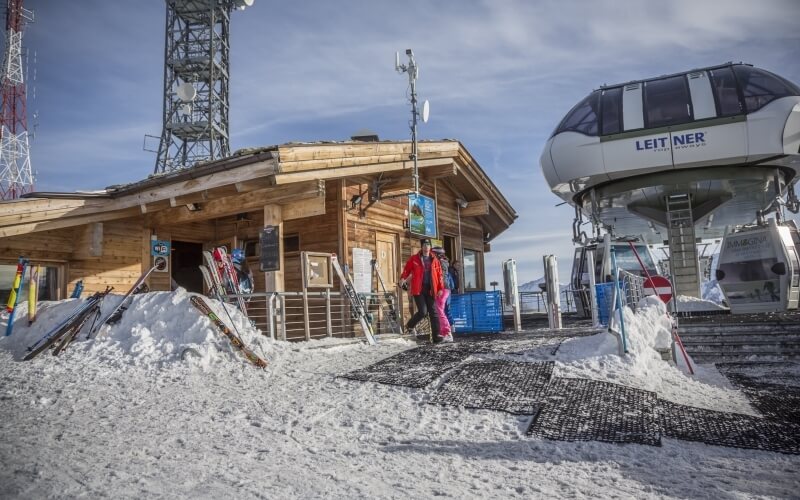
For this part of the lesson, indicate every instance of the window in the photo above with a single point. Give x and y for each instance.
(612, 107)
(760, 87)
(667, 102)
(291, 243)
(724, 84)
(582, 118)
(471, 270)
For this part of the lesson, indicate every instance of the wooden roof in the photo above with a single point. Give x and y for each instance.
(252, 178)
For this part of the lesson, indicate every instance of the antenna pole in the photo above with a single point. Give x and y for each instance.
(412, 71)
(16, 176)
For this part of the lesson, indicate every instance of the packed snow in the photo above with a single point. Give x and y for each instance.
(693, 304)
(160, 406)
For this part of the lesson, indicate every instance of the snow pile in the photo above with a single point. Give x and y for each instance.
(157, 329)
(597, 358)
(687, 303)
(711, 291)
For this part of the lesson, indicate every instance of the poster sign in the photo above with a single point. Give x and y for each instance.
(318, 271)
(362, 270)
(159, 248)
(422, 215)
(270, 242)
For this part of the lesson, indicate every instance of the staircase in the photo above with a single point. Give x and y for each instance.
(682, 247)
(752, 337)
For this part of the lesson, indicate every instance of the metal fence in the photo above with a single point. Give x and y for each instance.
(536, 302)
(315, 315)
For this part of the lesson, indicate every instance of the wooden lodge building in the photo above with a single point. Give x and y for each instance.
(322, 197)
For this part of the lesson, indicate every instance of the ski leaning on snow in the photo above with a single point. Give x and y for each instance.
(235, 340)
(71, 325)
(73, 332)
(33, 293)
(125, 297)
(355, 301)
(16, 291)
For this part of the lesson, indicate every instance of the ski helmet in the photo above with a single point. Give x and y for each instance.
(237, 256)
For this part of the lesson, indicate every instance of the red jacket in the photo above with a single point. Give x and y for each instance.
(415, 268)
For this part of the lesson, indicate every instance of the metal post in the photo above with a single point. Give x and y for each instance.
(283, 317)
(271, 313)
(328, 322)
(592, 288)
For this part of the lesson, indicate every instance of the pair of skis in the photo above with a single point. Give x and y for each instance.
(66, 331)
(389, 298)
(357, 305)
(234, 339)
(219, 268)
(123, 304)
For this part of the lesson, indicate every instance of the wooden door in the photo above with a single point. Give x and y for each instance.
(386, 255)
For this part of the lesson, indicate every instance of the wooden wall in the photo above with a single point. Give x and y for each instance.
(120, 263)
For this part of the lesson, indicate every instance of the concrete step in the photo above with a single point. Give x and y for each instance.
(741, 340)
(750, 357)
(737, 329)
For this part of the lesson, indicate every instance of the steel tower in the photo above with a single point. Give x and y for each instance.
(16, 177)
(196, 73)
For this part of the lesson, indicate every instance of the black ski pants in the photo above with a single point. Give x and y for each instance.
(426, 306)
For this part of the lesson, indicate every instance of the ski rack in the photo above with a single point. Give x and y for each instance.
(356, 303)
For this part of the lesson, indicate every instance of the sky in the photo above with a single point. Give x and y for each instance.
(499, 75)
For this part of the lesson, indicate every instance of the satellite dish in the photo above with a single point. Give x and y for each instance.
(426, 111)
(185, 110)
(186, 92)
(242, 4)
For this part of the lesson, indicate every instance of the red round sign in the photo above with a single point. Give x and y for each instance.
(658, 285)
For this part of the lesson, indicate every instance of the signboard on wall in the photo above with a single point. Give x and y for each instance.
(422, 215)
(317, 272)
(362, 270)
(270, 243)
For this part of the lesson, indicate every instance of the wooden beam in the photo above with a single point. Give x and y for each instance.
(475, 208)
(38, 210)
(232, 205)
(68, 222)
(274, 281)
(340, 172)
(304, 208)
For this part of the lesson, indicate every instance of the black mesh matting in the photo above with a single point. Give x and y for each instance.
(511, 386)
(772, 388)
(727, 429)
(413, 368)
(590, 410)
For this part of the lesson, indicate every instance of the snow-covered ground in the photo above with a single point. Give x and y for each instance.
(137, 414)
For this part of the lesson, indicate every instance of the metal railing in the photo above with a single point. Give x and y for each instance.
(315, 315)
(536, 302)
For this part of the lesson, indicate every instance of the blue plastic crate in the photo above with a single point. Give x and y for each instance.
(605, 294)
(477, 312)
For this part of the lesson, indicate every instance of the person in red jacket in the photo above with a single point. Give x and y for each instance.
(425, 274)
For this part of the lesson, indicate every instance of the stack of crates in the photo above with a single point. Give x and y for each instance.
(477, 312)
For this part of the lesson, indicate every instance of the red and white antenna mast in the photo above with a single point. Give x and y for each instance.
(16, 176)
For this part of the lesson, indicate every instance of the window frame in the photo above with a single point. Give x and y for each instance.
(645, 109)
(620, 112)
(739, 93)
(479, 285)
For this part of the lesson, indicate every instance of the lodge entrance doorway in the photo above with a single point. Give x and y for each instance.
(186, 259)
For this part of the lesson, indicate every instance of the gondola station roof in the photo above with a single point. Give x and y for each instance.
(283, 174)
